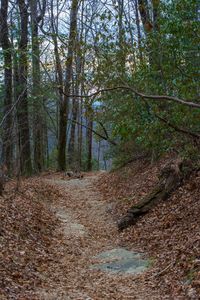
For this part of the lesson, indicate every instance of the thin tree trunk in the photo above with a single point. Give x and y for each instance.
(89, 139)
(36, 90)
(80, 130)
(58, 65)
(99, 153)
(82, 73)
(121, 39)
(16, 98)
(138, 29)
(156, 4)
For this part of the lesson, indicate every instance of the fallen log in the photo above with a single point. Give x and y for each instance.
(171, 177)
(73, 175)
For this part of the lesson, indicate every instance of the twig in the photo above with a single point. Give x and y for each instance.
(164, 270)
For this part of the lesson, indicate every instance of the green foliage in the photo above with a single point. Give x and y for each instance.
(169, 66)
(52, 161)
(95, 165)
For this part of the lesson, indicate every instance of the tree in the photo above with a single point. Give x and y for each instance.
(22, 107)
(38, 113)
(8, 118)
(64, 105)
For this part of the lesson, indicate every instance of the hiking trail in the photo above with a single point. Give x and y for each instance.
(91, 239)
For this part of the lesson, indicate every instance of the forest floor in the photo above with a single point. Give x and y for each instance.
(52, 229)
(88, 230)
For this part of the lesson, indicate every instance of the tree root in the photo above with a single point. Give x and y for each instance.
(171, 177)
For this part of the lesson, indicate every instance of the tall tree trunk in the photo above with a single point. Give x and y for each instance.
(7, 54)
(138, 29)
(156, 4)
(64, 105)
(80, 129)
(75, 108)
(121, 39)
(81, 54)
(23, 114)
(58, 65)
(38, 117)
(145, 15)
(156, 47)
(16, 99)
(89, 139)
(150, 21)
(71, 147)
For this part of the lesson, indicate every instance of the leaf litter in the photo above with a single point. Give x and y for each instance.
(40, 261)
(169, 234)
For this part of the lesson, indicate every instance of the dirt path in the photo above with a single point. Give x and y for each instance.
(89, 229)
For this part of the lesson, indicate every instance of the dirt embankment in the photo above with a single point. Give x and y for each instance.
(170, 233)
(28, 234)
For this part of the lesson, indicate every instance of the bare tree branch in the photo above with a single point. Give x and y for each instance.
(104, 129)
(142, 95)
(95, 132)
(176, 128)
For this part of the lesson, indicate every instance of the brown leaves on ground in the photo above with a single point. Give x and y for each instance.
(40, 259)
(27, 234)
(170, 233)
(72, 277)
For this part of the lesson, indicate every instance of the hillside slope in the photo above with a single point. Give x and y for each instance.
(170, 233)
(28, 236)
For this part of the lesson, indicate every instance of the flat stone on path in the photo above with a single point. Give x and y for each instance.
(120, 260)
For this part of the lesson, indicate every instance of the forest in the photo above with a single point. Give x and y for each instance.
(88, 86)
(76, 71)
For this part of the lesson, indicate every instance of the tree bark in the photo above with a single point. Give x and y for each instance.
(75, 108)
(71, 147)
(156, 4)
(170, 179)
(38, 116)
(7, 55)
(139, 36)
(64, 105)
(121, 53)
(58, 65)
(89, 139)
(145, 15)
(23, 113)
